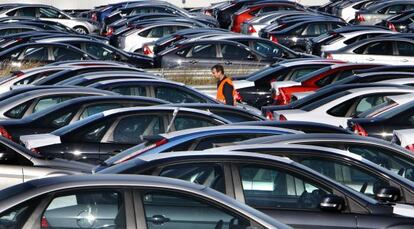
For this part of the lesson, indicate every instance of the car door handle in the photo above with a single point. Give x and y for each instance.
(228, 62)
(370, 59)
(193, 62)
(158, 219)
(404, 60)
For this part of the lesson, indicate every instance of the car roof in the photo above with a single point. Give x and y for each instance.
(212, 105)
(375, 73)
(106, 82)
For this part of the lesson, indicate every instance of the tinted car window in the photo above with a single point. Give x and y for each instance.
(35, 54)
(380, 48)
(130, 90)
(208, 174)
(234, 52)
(99, 51)
(131, 129)
(347, 174)
(26, 12)
(405, 48)
(274, 188)
(17, 215)
(93, 109)
(62, 54)
(175, 95)
(18, 111)
(10, 157)
(266, 48)
(177, 207)
(182, 122)
(49, 13)
(369, 102)
(203, 51)
(63, 119)
(46, 102)
(85, 209)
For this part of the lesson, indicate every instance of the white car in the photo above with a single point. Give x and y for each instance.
(404, 137)
(392, 50)
(50, 13)
(134, 39)
(348, 9)
(347, 38)
(336, 109)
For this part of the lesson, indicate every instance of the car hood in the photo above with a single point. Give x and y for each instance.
(39, 140)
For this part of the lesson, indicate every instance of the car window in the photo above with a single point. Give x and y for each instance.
(235, 52)
(405, 48)
(393, 9)
(203, 51)
(176, 95)
(49, 101)
(25, 12)
(297, 73)
(174, 209)
(347, 174)
(182, 122)
(315, 29)
(267, 49)
(94, 133)
(386, 158)
(62, 54)
(342, 109)
(157, 32)
(49, 13)
(35, 54)
(130, 129)
(85, 209)
(94, 109)
(369, 102)
(130, 90)
(16, 216)
(379, 48)
(99, 51)
(208, 174)
(265, 187)
(148, 10)
(62, 119)
(10, 157)
(17, 112)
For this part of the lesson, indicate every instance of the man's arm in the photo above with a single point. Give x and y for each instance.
(228, 94)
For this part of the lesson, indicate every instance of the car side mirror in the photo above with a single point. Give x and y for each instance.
(388, 194)
(332, 203)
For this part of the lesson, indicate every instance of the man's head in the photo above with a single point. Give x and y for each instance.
(217, 71)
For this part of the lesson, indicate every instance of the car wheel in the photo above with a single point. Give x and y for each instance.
(81, 30)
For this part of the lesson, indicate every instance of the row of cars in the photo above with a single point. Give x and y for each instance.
(82, 116)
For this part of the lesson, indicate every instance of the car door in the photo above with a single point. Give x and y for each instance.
(201, 56)
(379, 52)
(128, 131)
(11, 167)
(405, 53)
(168, 209)
(287, 196)
(237, 56)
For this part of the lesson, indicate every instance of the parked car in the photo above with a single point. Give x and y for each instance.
(313, 81)
(344, 167)
(19, 165)
(383, 153)
(99, 201)
(386, 50)
(206, 52)
(337, 108)
(375, 12)
(161, 89)
(68, 112)
(255, 89)
(100, 136)
(383, 125)
(49, 13)
(403, 138)
(347, 9)
(277, 186)
(400, 22)
(24, 104)
(193, 139)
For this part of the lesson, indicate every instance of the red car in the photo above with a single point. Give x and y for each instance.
(252, 10)
(282, 92)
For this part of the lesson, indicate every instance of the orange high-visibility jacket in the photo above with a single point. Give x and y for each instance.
(220, 95)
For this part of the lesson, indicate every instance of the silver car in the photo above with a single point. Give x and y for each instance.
(49, 13)
(375, 13)
(17, 165)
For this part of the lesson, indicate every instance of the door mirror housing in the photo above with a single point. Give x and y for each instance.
(332, 203)
(388, 194)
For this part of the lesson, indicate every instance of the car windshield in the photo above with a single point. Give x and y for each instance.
(69, 128)
(325, 100)
(262, 73)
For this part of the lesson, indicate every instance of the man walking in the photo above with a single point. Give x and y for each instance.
(225, 88)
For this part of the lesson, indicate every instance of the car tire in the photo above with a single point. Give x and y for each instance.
(81, 29)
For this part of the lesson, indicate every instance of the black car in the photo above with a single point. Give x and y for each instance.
(295, 36)
(100, 136)
(256, 89)
(161, 89)
(279, 187)
(307, 127)
(383, 125)
(67, 112)
(73, 72)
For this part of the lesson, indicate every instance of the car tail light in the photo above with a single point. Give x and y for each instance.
(141, 151)
(110, 31)
(359, 130)
(274, 39)
(281, 98)
(251, 29)
(94, 17)
(269, 115)
(147, 50)
(360, 18)
(410, 147)
(44, 223)
(391, 26)
(5, 133)
(282, 118)
(238, 97)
